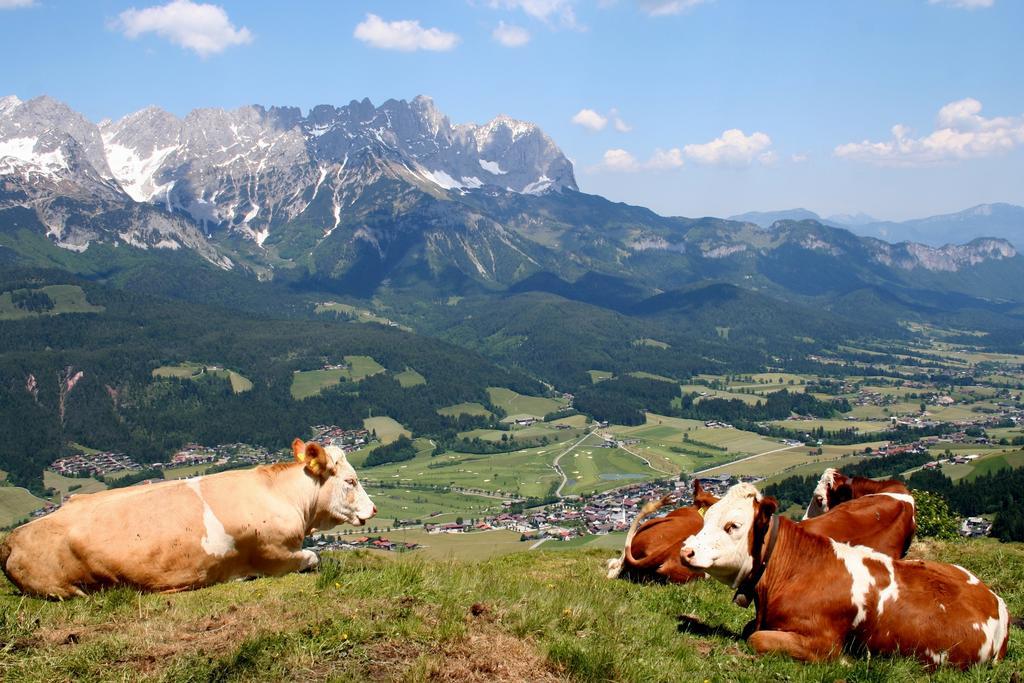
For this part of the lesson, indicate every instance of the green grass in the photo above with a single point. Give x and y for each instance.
(16, 504)
(548, 614)
(591, 469)
(362, 367)
(410, 378)
(527, 472)
(650, 375)
(62, 484)
(66, 299)
(832, 425)
(387, 429)
(515, 404)
(308, 383)
(474, 409)
(190, 370)
(599, 375)
(426, 505)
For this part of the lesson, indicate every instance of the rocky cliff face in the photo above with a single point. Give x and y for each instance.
(252, 170)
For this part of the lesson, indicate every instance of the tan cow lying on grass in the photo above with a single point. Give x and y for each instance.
(815, 595)
(179, 535)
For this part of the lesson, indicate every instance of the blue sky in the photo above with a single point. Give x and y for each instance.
(810, 90)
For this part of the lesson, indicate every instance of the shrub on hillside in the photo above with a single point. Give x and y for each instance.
(934, 518)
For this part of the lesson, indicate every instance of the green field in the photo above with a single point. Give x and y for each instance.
(472, 547)
(306, 383)
(410, 378)
(358, 314)
(515, 404)
(429, 506)
(386, 428)
(66, 299)
(16, 504)
(474, 409)
(526, 473)
(599, 375)
(862, 426)
(649, 375)
(190, 370)
(543, 615)
(590, 468)
(362, 367)
(62, 484)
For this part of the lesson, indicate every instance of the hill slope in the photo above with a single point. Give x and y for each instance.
(541, 615)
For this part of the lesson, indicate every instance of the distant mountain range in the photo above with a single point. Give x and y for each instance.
(396, 201)
(985, 220)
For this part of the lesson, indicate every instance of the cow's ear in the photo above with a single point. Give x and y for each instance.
(299, 450)
(313, 456)
(840, 494)
(766, 507)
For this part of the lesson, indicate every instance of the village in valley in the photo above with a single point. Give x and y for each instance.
(545, 473)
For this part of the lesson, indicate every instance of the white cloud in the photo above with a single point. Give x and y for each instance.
(618, 160)
(661, 8)
(622, 161)
(964, 4)
(590, 119)
(548, 11)
(16, 4)
(405, 36)
(619, 124)
(733, 148)
(799, 158)
(665, 159)
(961, 133)
(204, 29)
(510, 35)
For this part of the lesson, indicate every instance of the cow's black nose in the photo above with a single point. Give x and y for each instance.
(687, 554)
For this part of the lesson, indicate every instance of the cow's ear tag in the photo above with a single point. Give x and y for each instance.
(700, 511)
(299, 450)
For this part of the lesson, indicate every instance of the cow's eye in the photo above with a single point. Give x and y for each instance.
(350, 481)
(731, 527)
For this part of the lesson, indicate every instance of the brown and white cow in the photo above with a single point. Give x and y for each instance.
(187, 534)
(815, 595)
(651, 551)
(835, 488)
(884, 522)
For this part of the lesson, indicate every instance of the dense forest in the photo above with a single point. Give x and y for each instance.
(116, 404)
(1000, 493)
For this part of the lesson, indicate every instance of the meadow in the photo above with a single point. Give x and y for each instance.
(515, 404)
(306, 383)
(542, 615)
(66, 299)
(190, 370)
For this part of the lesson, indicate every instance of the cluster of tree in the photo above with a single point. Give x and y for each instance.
(133, 478)
(795, 490)
(844, 437)
(776, 406)
(399, 450)
(507, 444)
(33, 300)
(886, 466)
(623, 400)
(998, 493)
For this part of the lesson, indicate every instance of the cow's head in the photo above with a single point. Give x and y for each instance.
(733, 528)
(702, 500)
(833, 488)
(341, 496)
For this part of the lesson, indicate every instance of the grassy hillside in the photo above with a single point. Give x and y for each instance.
(539, 615)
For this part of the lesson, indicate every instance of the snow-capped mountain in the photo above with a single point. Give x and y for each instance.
(252, 169)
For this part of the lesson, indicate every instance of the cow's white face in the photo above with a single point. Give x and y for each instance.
(347, 501)
(722, 547)
(819, 499)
